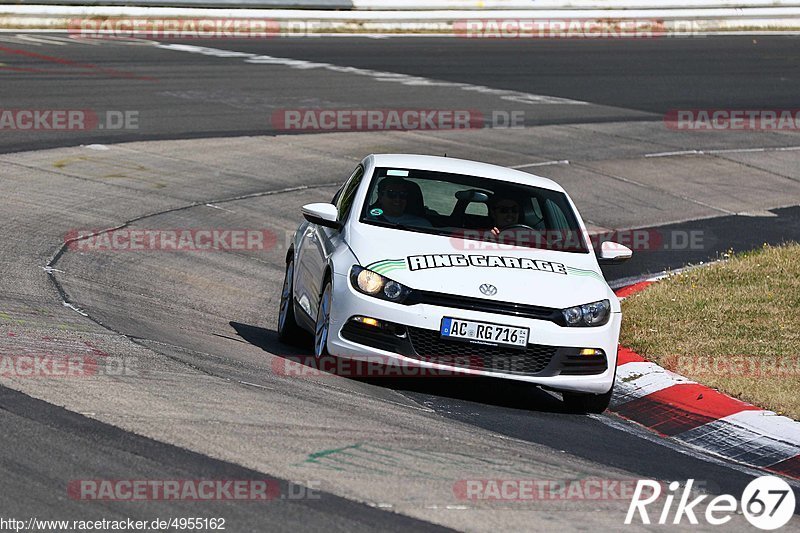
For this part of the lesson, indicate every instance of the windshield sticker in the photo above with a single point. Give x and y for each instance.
(376, 212)
(401, 173)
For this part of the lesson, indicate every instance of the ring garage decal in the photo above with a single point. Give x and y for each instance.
(420, 262)
(428, 261)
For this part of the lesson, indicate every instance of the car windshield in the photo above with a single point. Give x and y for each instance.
(473, 208)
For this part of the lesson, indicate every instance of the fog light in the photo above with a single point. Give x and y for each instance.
(367, 321)
(590, 352)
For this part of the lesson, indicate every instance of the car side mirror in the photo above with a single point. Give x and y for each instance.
(612, 253)
(322, 214)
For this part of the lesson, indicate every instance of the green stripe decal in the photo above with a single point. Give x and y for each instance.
(581, 272)
(385, 270)
(387, 265)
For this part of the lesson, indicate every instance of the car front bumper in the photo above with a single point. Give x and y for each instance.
(411, 338)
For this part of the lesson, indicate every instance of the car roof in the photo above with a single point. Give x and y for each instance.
(462, 166)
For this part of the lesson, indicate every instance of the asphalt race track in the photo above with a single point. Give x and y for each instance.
(201, 395)
(180, 95)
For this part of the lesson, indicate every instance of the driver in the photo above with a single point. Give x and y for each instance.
(504, 211)
(393, 194)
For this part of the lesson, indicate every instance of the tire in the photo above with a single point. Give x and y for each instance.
(288, 330)
(577, 402)
(323, 322)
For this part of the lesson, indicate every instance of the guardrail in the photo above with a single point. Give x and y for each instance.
(537, 5)
(278, 4)
(369, 16)
(426, 5)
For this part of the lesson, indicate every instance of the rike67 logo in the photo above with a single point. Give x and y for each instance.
(767, 502)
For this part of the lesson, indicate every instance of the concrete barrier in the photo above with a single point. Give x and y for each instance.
(424, 5)
(693, 17)
(278, 4)
(538, 5)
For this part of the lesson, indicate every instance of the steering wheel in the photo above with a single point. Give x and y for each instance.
(517, 226)
(531, 234)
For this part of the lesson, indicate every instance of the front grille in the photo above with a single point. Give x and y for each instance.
(487, 306)
(428, 345)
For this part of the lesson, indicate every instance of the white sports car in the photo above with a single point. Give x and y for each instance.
(455, 265)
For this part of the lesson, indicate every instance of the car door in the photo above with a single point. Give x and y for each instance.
(319, 243)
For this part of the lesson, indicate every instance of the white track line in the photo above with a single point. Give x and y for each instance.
(727, 151)
(669, 154)
(377, 75)
(74, 308)
(542, 164)
(41, 40)
(77, 40)
(14, 40)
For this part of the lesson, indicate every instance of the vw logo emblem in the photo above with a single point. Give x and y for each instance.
(488, 290)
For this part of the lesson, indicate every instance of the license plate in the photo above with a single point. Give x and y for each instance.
(484, 333)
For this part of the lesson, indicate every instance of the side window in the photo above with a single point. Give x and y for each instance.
(537, 208)
(536, 220)
(557, 218)
(344, 198)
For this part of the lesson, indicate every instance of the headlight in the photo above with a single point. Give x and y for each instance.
(593, 314)
(374, 284)
(369, 282)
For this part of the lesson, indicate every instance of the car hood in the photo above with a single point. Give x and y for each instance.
(463, 267)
